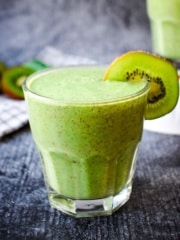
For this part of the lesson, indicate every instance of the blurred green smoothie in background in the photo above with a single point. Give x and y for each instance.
(164, 18)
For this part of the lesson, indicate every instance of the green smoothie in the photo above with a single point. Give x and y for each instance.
(165, 26)
(87, 130)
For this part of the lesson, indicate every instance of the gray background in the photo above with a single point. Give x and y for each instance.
(100, 30)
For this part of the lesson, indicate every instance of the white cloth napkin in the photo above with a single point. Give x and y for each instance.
(13, 113)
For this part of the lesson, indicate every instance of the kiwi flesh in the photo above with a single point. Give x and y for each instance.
(12, 81)
(159, 72)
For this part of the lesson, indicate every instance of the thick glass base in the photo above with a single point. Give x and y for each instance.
(91, 208)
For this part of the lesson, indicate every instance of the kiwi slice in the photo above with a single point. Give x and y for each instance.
(2, 69)
(160, 73)
(12, 81)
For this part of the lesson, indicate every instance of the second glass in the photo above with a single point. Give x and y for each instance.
(164, 18)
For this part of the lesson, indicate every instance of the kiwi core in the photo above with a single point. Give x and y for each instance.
(20, 80)
(157, 89)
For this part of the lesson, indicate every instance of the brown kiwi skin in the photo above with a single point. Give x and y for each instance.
(10, 93)
(3, 67)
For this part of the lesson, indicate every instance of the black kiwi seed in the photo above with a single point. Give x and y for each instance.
(155, 83)
(160, 92)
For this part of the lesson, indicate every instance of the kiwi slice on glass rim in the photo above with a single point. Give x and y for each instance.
(160, 73)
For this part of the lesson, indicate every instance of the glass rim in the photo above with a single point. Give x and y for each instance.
(47, 99)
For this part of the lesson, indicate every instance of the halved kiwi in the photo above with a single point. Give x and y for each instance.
(12, 81)
(160, 73)
(13, 77)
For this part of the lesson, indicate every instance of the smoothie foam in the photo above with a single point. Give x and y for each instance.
(86, 129)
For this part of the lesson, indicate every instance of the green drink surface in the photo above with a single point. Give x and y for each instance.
(85, 85)
(88, 135)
